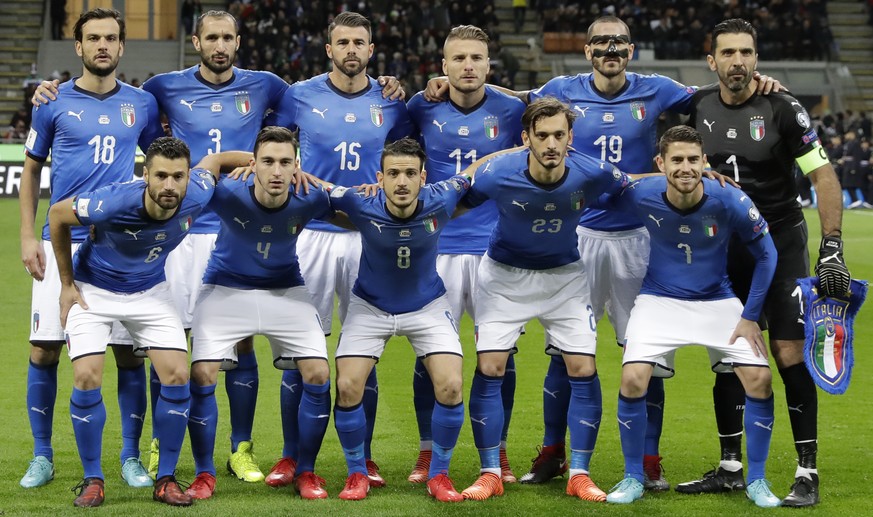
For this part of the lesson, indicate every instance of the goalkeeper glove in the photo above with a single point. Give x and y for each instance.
(833, 275)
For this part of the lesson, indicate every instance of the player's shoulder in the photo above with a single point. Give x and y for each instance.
(313, 84)
(706, 91)
(563, 81)
(657, 82)
(727, 195)
(418, 104)
(135, 93)
(165, 79)
(495, 95)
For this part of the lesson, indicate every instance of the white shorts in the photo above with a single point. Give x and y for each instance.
(45, 307)
(508, 297)
(329, 264)
(430, 330)
(459, 274)
(184, 269)
(286, 317)
(659, 326)
(149, 316)
(615, 264)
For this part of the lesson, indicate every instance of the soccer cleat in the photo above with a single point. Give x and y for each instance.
(654, 474)
(440, 487)
(714, 481)
(154, 457)
(626, 491)
(167, 491)
(39, 473)
(243, 464)
(89, 492)
(582, 487)
(357, 486)
(203, 486)
(282, 473)
(421, 468)
(759, 492)
(310, 486)
(135, 474)
(376, 481)
(804, 492)
(551, 462)
(486, 486)
(506, 474)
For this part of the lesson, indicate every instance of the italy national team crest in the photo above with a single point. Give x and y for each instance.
(431, 224)
(638, 111)
(294, 225)
(128, 115)
(243, 102)
(491, 128)
(756, 128)
(577, 200)
(710, 226)
(185, 224)
(376, 115)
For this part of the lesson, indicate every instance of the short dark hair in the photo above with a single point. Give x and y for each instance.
(99, 14)
(734, 26)
(168, 147)
(214, 14)
(350, 19)
(276, 134)
(403, 147)
(686, 134)
(543, 108)
(607, 19)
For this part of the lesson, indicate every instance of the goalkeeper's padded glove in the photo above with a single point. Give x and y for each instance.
(833, 275)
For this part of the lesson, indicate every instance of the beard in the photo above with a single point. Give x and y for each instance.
(100, 70)
(165, 202)
(348, 71)
(737, 85)
(216, 68)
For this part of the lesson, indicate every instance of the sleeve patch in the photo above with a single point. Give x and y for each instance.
(81, 207)
(31, 139)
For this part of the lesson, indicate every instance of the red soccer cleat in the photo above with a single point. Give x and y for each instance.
(506, 474)
(167, 491)
(203, 486)
(582, 487)
(485, 487)
(357, 486)
(376, 481)
(422, 466)
(440, 487)
(310, 486)
(90, 493)
(282, 473)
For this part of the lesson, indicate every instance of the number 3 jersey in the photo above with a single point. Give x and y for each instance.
(129, 248)
(92, 138)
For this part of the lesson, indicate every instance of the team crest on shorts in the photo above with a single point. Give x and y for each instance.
(638, 111)
(756, 128)
(376, 115)
(491, 127)
(128, 115)
(35, 321)
(295, 224)
(243, 102)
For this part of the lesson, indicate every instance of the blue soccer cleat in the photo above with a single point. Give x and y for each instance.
(626, 492)
(759, 492)
(39, 473)
(135, 474)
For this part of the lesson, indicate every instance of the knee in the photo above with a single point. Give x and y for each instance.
(315, 372)
(204, 374)
(448, 392)
(45, 355)
(759, 382)
(87, 377)
(492, 367)
(349, 391)
(176, 375)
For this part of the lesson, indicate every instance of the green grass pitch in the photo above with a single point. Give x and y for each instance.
(689, 443)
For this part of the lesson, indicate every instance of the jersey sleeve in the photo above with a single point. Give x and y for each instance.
(276, 88)
(319, 201)
(345, 199)
(153, 128)
(85, 205)
(285, 112)
(553, 88)
(402, 124)
(201, 186)
(752, 229)
(42, 133)
(674, 96)
(797, 131)
(452, 191)
(749, 224)
(483, 186)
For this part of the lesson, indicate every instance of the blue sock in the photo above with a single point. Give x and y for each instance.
(313, 416)
(88, 414)
(132, 404)
(42, 390)
(370, 403)
(556, 402)
(351, 427)
(289, 404)
(154, 395)
(241, 384)
(507, 395)
(202, 425)
(758, 423)
(632, 430)
(423, 400)
(486, 418)
(583, 419)
(655, 415)
(447, 421)
(171, 417)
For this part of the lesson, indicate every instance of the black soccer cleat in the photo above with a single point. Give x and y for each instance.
(713, 482)
(804, 492)
(551, 462)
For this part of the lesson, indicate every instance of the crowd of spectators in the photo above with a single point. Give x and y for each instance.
(847, 137)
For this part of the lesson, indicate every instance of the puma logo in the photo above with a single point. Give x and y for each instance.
(322, 112)
(709, 124)
(189, 105)
(437, 124)
(77, 115)
(241, 223)
(133, 233)
(581, 110)
(520, 204)
(657, 221)
(86, 420)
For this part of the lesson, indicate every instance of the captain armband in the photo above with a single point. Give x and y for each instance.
(813, 159)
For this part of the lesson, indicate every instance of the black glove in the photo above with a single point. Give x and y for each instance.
(833, 275)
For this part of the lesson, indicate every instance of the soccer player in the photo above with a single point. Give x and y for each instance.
(344, 122)
(686, 298)
(118, 276)
(399, 293)
(92, 135)
(476, 121)
(532, 270)
(253, 285)
(757, 140)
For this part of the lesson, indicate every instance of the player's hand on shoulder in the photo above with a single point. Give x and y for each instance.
(33, 257)
(241, 173)
(751, 332)
(767, 84)
(391, 88)
(367, 189)
(833, 275)
(437, 89)
(720, 178)
(46, 91)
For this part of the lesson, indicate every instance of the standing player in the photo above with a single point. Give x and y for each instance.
(399, 293)
(686, 298)
(253, 285)
(92, 135)
(477, 120)
(344, 122)
(757, 140)
(118, 276)
(532, 270)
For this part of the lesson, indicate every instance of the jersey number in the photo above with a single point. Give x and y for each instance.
(687, 249)
(104, 149)
(551, 226)
(154, 254)
(216, 137)
(349, 157)
(264, 249)
(733, 161)
(610, 148)
(404, 257)
(456, 154)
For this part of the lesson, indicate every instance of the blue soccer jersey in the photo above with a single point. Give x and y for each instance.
(688, 258)
(398, 258)
(536, 226)
(212, 118)
(92, 139)
(453, 138)
(257, 246)
(341, 134)
(620, 129)
(129, 249)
